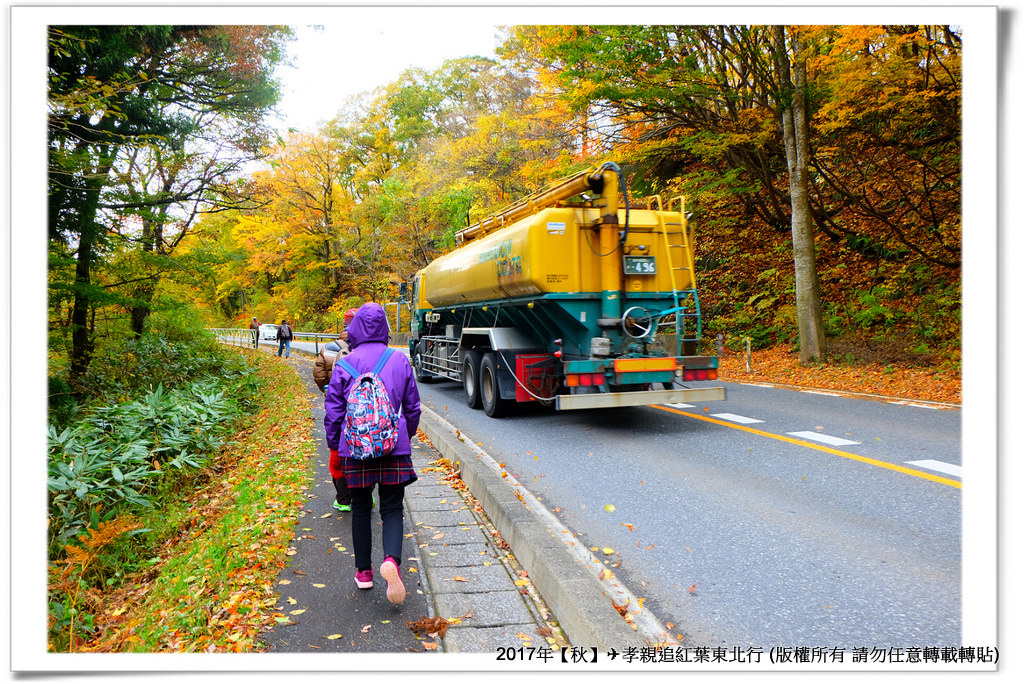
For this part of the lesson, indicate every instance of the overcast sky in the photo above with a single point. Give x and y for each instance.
(348, 57)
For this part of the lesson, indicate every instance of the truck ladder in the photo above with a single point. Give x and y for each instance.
(673, 260)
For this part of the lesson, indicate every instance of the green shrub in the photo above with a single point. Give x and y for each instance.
(118, 455)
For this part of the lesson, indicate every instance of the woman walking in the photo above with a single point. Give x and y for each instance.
(367, 338)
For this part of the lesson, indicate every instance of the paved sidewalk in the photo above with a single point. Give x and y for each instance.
(453, 566)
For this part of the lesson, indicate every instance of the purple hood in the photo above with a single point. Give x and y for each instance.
(369, 325)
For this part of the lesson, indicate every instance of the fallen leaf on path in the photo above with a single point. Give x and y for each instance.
(334, 636)
(429, 626)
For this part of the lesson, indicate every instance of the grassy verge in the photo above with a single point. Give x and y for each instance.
(780, 365)
(209, 586)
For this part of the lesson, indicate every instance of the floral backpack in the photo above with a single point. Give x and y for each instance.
(371, 422)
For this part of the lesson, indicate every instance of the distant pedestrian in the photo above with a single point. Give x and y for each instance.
(284, 339)
(368, 337)
(322, 369)
(255, 327)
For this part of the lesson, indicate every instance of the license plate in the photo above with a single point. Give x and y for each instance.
(639, 265)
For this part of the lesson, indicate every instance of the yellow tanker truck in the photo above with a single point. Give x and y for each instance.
(567, 298)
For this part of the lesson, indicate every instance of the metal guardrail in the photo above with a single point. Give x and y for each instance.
(239, 336)
(248, 338)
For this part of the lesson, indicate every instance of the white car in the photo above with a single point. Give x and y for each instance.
(268, 331)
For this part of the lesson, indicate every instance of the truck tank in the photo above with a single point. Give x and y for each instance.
(568, 286)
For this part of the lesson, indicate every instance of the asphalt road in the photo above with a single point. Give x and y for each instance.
(775, 518)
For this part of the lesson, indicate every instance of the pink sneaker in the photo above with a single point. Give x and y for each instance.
(390, 571)
(364, 579)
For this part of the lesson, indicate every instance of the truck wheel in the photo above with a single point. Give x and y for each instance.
(422, 375)
(471, 378)
(490, 394)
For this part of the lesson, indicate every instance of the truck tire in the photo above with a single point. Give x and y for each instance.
(471, 378)
(422, 375)
(490, 392)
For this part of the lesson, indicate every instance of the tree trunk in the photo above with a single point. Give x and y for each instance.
(88, 235)
(793, 109)
(141, 309)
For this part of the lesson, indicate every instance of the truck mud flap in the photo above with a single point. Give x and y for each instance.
(570, 402)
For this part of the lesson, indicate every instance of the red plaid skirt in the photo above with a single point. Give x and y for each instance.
(390, 470)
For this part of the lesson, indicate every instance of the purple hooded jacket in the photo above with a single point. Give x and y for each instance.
(367, 337)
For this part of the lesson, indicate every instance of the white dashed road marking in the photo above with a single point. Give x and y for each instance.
(939, 466)
(825, 439)
(680, 406)
(736, 419)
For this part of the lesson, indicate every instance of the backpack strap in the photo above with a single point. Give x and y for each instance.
(382, 360)
(347, 367)
(351, 370)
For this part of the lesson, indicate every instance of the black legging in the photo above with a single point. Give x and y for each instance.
(391, 514)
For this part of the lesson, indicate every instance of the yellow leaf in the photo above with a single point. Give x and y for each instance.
(291, 601)
(334, 636)
(608, 550)
(609, 508)
(300, 611)
(319, 586)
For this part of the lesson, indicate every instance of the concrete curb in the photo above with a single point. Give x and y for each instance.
(563, 570)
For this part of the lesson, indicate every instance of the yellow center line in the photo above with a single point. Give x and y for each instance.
(818, 447)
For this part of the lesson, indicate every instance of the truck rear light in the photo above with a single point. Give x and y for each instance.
(584, 379)
(700, 374)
